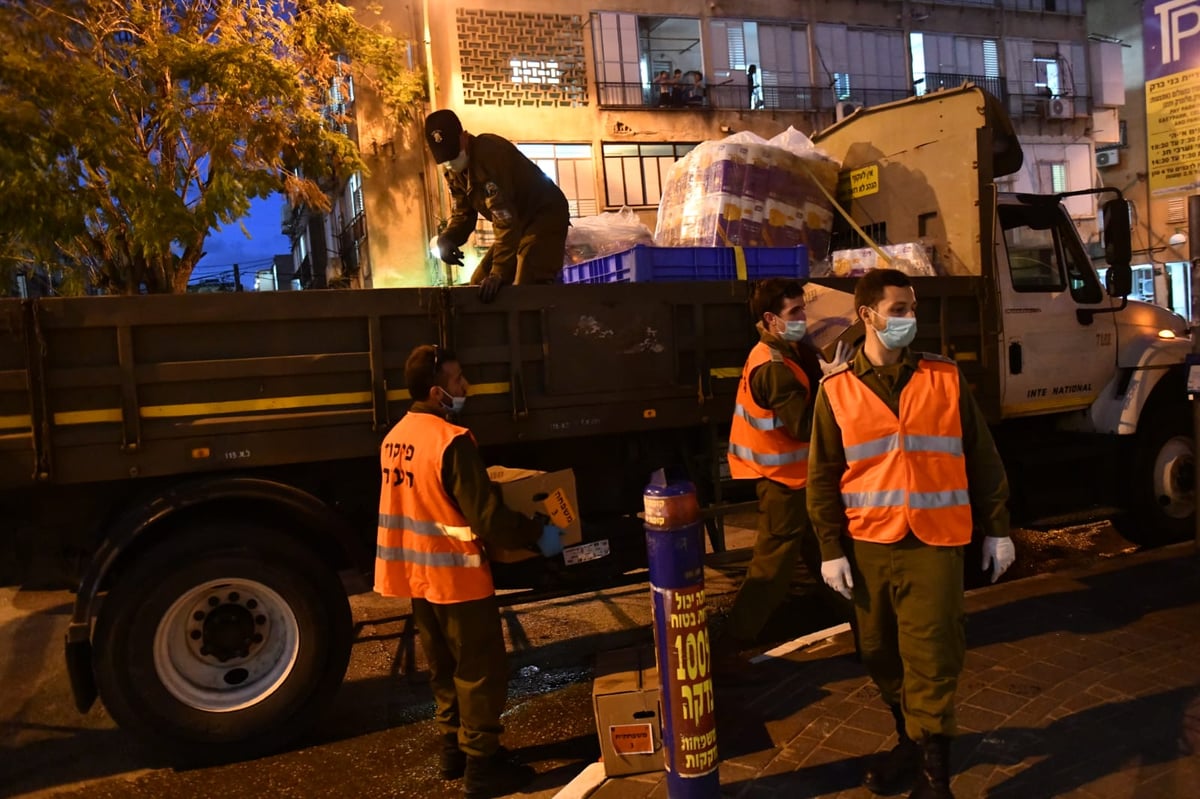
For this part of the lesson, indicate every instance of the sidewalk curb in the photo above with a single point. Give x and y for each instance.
(585, 783)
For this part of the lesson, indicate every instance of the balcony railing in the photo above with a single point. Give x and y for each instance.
(735, 97)
(952, 80)
(1029, 106)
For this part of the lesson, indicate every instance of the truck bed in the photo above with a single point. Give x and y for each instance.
(96, 389)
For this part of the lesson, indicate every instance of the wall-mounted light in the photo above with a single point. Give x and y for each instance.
(1177, 239)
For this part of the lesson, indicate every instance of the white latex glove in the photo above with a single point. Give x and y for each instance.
(841, 354)
(836, 574)
(998, 555)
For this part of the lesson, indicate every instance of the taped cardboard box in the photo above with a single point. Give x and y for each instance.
(530, 491)
(628, 718)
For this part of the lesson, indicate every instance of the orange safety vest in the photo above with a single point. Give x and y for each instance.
(425, 547)
(905, 473)
(759, 444)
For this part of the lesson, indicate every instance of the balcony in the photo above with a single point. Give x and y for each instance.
(736, 97)
(952, 80)
(1043, 106)
(352, 246)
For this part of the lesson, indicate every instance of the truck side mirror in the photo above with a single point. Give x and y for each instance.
(1118, 249)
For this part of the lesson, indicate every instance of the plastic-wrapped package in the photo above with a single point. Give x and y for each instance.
(605, 234)
(747, 191)
(911, 258)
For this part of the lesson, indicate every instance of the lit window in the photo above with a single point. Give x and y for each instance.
(841, 85)
(535, 72)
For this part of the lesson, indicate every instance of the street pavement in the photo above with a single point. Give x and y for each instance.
(1083, 683)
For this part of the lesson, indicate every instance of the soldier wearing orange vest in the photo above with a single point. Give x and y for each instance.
(901, 467)
(768, 442)
(438, 513)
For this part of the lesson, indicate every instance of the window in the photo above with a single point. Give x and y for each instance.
(634, 173)
(868, 66)
(569, 166)
(1052, 177)
(1046, 76)
(356, 195)
(540, 72)
(632, 51)
(945, 61)
(1044, 253)
(841, 85)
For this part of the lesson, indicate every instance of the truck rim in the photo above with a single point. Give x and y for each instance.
(1174, 478)
(226, 645)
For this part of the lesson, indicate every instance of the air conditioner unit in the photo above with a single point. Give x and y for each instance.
(845, 108)
(1107, 158)
(1060, 108)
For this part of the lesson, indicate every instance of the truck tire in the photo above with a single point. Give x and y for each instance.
(1164, 477)
(222, 643)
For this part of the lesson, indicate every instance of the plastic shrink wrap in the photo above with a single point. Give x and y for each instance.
(911, 258)
(747, 191)
(605, 234)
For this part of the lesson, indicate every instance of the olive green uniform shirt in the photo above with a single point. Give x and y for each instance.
(987, 482)
(774, 386)
(509, 190)
(466, 480)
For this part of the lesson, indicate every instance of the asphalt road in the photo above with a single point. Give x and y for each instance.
(379, 740)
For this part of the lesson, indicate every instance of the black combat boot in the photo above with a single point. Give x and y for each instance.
(452, 761)
(894, 771)
(933, 780)
(495, 775)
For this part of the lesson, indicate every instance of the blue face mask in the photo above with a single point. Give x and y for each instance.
(899, 333)
(794, 331)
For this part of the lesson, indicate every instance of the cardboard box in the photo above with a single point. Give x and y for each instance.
(529, 491)
(628, 716)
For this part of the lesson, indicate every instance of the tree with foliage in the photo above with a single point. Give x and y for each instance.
(130, 129)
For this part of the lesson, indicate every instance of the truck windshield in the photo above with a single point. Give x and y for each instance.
(1044, 253)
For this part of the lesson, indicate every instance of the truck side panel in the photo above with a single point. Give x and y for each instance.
(157, 386)
(162, 385)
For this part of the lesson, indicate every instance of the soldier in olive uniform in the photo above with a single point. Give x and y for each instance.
(768, 442)
(901, 467)
(438, 514)
(488, 175)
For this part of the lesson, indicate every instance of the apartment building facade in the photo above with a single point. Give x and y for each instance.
(579, 87)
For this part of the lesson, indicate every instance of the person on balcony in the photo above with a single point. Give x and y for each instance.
(696, 93)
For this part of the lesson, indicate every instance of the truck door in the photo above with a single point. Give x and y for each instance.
(1054, 357)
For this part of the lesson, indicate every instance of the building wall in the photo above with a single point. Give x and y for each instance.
(1155, 218)
(470, 41)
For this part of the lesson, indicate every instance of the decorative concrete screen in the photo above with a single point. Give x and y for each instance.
(513, 58)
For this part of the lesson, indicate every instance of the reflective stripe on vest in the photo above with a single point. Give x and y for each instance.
(908, 472)
(759, 444)
(425, 548)
(394, 522)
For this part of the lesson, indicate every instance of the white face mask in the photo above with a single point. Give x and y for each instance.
(456, 403)
(459, 162)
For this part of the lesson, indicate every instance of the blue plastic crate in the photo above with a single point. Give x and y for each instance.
(644, 263)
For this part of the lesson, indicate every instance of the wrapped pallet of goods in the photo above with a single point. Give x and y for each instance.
(750, 192)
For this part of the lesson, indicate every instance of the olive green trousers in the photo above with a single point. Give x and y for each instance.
(908, 601)
(784, 534)
(464, 645)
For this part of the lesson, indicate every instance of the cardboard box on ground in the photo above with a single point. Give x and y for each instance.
(628, 718)
(530, 491)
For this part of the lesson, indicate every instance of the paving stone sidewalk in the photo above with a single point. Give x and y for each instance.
(1080, 684)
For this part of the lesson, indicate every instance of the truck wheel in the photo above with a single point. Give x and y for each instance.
(1165, 478)
(222, 644)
